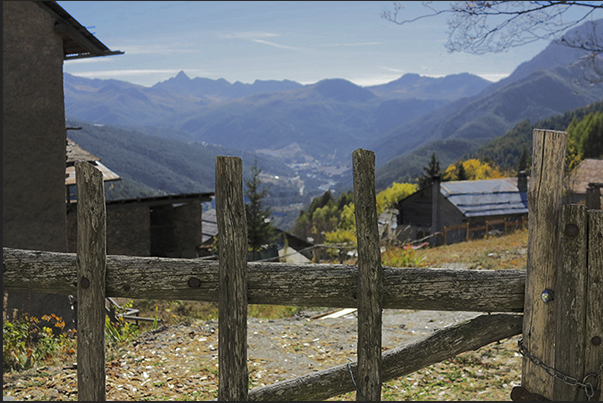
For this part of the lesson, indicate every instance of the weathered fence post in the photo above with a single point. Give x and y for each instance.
(91, 267)
(544, 201)
(571, 297)
(593, 332)
(370, 277)
(232, 302)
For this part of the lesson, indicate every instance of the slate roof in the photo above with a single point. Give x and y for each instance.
(74, 153)
(209, 225)
(588, 171)
(488, 197)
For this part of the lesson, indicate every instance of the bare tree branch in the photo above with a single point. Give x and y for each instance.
(481, 27)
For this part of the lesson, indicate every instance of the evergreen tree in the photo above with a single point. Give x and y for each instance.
(259, 229)
(433, 169)
(523, 160)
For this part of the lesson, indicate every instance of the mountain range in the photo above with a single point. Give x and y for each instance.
(325, 120)
(312, 129)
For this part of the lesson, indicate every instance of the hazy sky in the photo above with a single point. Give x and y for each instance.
(303, 41)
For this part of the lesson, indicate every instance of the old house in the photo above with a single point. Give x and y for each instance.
(37, 38)
(583, 184)
(164, 226)
(75, 153)
(463, 204)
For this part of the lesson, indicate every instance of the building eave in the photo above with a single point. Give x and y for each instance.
(78, 42)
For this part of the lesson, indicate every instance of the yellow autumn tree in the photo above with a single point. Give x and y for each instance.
(389, 197)
(474, 170)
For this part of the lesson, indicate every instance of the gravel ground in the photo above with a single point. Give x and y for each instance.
(180, 362)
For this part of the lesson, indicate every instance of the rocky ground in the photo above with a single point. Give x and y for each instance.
(180, 362)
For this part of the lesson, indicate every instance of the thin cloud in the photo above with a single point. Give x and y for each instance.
(393, 70)
(259, 37)
(251, 35)
(333, 45)
(276, 45)
(116, 73)
(91, 60)
(494, 77)
(158, 50)
(368, 81)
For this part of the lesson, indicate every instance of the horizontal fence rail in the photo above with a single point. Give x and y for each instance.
(318, 285)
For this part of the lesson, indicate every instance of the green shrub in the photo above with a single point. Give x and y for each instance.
(26, 345)
(121, 330)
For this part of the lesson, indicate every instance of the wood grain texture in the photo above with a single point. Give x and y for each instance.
(91, 267)
(232, 287)
(397, 362)
(370, 277)
(544, 202)
(318, 285)
(593, 340)
(570, 296)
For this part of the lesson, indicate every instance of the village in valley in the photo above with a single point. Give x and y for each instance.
(351, 246)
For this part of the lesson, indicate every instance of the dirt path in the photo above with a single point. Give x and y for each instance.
(181, 361)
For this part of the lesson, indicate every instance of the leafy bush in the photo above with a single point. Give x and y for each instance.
(121, 330)
(26, 345)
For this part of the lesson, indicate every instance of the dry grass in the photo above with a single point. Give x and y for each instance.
(488, 373)
(504, 252)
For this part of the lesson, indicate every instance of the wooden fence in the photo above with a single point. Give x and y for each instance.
(561, 302)
(505, 223)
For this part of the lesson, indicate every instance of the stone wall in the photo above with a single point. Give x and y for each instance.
(33, 145)
(33, 130)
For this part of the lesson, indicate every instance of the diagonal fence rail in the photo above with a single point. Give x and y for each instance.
(234, 283)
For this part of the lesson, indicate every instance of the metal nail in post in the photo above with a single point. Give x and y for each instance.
(547, 296)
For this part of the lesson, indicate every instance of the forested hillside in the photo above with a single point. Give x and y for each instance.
(506, 150)
(462, 127)
(151, 164)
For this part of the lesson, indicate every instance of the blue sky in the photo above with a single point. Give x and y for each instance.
(303, 41)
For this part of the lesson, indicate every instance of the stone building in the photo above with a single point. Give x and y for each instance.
(38, 36)
(473, 203)
(583, 185)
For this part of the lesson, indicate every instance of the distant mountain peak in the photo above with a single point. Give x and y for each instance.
(342, 90)
(181, 76)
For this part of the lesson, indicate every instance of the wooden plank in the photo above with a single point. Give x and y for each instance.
(495, 222)
(232, 300)
(453, 227)
(397, 362)
(317, 285)
(91, 267)
(593, 333)
(370, 277)
(570, 295)
(544, 202)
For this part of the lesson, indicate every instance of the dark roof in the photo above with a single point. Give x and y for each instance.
(588, 171)
(486, 197)
(209, 225)
(167, 199)
(78, 42)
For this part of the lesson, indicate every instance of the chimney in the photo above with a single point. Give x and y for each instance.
(593, 196)
(522, 182)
